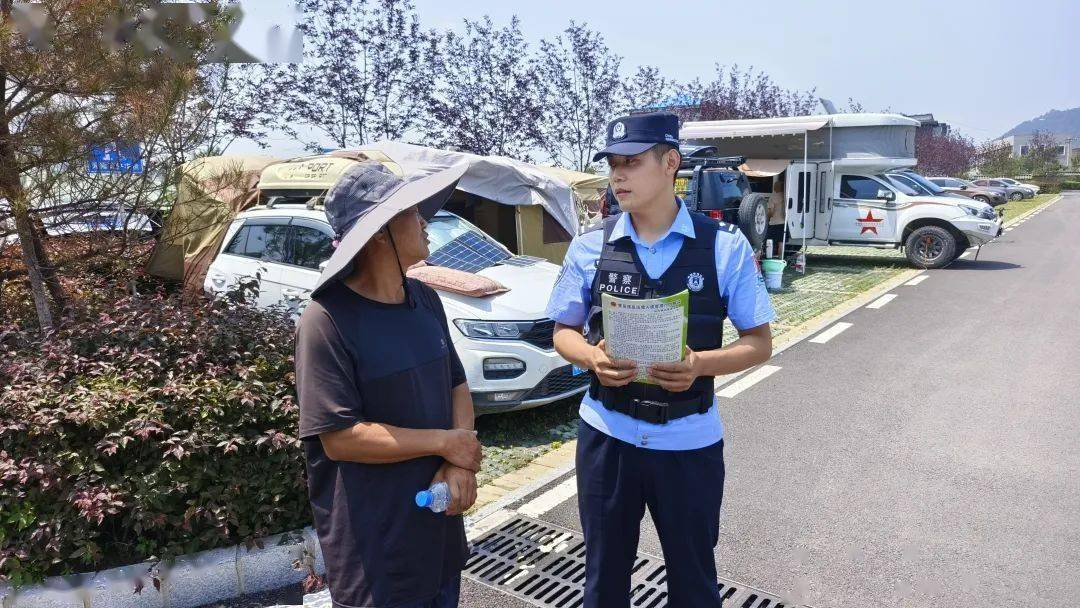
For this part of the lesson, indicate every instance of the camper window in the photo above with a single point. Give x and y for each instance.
(859, 187)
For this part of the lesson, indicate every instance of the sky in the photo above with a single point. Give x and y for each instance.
(981, 66)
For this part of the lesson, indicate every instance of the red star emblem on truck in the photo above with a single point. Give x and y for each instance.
(868, 223)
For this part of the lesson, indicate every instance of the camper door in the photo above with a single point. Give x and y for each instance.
(801, 193)
(864, 210)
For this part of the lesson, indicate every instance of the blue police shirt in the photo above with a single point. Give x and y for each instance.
(739, 280)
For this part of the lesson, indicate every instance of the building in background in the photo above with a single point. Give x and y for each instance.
(1066, 146)
(929, 125)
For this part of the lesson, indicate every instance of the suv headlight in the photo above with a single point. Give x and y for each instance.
(970, 210)
(494, 330)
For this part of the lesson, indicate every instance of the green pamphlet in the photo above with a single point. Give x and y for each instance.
(646, 331)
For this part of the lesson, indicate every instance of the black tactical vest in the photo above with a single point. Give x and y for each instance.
(621, 273)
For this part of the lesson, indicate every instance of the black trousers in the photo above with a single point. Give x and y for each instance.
(683, 490)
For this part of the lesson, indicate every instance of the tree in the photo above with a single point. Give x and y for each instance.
(579, 77)
(487, 100)
(736, 94)
(1042, 155)
(855, 107)
(366, 74)
(647, 88)
(66, 89)
(225, 104)
(995, 158)
(950, 154)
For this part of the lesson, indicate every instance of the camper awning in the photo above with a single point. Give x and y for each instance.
(762, 167)
(726, 129)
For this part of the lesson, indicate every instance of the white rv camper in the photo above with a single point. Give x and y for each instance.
(837, 188)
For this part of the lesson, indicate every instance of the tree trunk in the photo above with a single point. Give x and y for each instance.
(33, 266)
(48, 270)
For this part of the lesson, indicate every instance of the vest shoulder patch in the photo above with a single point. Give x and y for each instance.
(726, 227)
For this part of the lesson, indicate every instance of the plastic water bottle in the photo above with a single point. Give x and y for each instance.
(436, 498)
(800, 263)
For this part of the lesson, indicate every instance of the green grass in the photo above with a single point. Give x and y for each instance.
(833, 276)
(1015, 209)
(514, 439)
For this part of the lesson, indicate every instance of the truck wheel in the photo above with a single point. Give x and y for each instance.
(930, 247)
(754, 218)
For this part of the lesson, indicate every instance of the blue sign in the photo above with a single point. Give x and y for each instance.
(115, 158)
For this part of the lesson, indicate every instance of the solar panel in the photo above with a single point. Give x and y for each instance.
(522, 261)
(468, 252)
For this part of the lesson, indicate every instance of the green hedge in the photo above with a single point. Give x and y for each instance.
(145, 428)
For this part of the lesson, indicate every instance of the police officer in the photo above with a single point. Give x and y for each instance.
(657, 445)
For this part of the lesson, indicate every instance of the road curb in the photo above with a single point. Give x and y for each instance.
(1029, 212)
(188, 581)
(516, 485)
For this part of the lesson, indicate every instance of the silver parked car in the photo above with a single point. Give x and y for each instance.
(1014, 193)
(1013, 182)
(986, 194)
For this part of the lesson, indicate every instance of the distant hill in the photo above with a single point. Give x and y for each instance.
(1060, 122)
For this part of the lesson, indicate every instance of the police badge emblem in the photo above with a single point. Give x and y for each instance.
(695, 281)
(618, 131)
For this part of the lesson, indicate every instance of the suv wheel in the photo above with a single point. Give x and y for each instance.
(930, 247)
(1015, 196)
(982, 199)
(754, 218)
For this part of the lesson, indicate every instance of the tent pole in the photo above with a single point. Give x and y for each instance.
(806, 187)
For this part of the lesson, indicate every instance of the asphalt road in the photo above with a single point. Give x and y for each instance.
(925, 456)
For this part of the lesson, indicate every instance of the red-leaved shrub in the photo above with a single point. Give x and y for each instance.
(145, 428)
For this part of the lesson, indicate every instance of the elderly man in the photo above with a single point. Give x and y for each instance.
(384, 407)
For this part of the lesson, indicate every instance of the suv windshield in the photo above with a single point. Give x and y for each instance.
(900, 184)
(934, 189)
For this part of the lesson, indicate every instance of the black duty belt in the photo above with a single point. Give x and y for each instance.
(658, 412)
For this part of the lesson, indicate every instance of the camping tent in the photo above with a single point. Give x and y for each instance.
(533, 210)
(211, 191)
(497, 178)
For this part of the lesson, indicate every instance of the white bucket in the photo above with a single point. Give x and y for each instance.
(773, 269)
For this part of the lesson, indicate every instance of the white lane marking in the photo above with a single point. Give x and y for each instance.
(917, 280)
(883, 300)
(830, 333)
(550, 499)
(1009, 229)
(748, 380)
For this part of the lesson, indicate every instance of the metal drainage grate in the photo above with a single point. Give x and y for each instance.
(545, 566)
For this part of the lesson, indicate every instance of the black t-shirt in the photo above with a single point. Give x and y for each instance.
(358, 360)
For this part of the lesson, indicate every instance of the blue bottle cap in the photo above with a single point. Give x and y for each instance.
(424, 498)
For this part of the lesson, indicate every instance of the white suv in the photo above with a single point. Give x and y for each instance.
(504, 341)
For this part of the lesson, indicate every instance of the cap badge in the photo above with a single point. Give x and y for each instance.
(618, 131)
